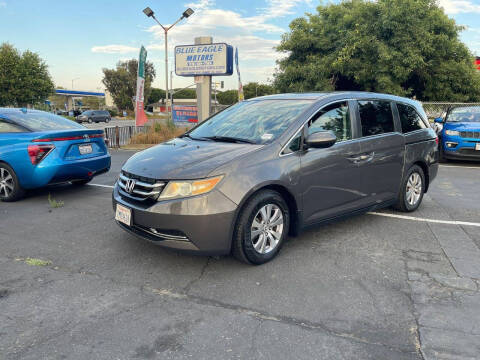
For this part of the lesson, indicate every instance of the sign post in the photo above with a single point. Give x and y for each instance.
(204, 87)
(204, 60)
(140, 116)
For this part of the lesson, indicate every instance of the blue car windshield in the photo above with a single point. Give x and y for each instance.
(42, 121)
(464, 114)
(256, 121)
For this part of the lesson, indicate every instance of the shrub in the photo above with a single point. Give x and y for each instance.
(157, 133)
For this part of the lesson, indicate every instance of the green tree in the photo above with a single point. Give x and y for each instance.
(185, 94)
(404, 47)
(121, 82)
(228, 97)
(24, 77)
(155, 96)
(254, 89)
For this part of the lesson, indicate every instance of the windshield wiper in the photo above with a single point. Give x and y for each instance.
(229, 139)
(194, 138)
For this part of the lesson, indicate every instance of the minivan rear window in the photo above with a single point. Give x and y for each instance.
(409, 118)
(376, 117)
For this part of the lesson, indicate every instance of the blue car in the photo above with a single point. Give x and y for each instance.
(460, 135)
(38, 149)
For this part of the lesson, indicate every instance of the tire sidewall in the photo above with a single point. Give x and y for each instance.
(413, 169)
(90, 121)
(17, 190)
(250, 253)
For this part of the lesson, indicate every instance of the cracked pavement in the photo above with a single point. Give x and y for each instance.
(369, 287)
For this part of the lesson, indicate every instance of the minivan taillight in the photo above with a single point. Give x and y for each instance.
(38, 152)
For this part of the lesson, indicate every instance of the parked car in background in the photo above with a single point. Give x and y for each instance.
(96, 116)
(460, 133)
(39, 148)
(245, 178)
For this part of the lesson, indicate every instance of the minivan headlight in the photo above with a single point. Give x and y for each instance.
(182, 189)
(452, 132)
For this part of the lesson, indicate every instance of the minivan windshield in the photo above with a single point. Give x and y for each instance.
(464, 114)
(255, 121)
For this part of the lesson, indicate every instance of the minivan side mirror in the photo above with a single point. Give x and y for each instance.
(321, 139)
(438, 120)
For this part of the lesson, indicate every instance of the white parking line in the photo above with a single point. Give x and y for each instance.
(462, 167)
(101, 185)
(413, 218)
(404, 217)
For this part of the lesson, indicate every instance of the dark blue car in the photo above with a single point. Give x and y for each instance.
(38, 149)
(460, 135)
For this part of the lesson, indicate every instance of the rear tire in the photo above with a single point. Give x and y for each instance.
(261, 228)
(412, 190)
(10, 189)
(81, 182)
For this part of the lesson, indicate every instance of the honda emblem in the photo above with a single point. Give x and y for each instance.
(129, 186)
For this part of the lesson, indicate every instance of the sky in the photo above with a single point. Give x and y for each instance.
(79, 38)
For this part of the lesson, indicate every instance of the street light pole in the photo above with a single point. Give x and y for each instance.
(149, 12)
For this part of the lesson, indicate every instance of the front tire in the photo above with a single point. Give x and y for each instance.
(10, 189)
(90, 120)
(261, 228)
(412, 190)
(107, 120)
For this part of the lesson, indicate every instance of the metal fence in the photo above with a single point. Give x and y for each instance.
(120, 135)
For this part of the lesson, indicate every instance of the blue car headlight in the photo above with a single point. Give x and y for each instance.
(452, 132)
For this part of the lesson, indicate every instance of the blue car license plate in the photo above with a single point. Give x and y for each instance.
(85, 149)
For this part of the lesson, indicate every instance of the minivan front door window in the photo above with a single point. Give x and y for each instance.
(334, 117)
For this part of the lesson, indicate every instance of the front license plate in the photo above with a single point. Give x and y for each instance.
(85, 149)
(123, 214)
(477, 146)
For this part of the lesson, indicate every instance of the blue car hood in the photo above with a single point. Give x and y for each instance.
(462, 126)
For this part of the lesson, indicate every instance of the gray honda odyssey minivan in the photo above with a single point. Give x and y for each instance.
(244, 179)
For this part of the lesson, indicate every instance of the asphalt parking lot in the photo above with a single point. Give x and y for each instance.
(375, 286)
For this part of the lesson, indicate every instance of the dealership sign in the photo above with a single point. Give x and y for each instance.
(204, 60)
(184, 114)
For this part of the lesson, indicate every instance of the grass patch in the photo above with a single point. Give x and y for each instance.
(37, 262)
(54, 204)
(157, 133)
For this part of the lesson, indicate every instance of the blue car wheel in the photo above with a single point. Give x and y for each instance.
(10, 189)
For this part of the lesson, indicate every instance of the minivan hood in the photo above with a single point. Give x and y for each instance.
(185, 158)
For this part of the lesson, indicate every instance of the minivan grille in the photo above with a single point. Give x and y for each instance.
(470, 134)
(139, 188)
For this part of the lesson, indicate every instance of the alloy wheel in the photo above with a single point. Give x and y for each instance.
(414, 188)
(267, 228)
(7, 186)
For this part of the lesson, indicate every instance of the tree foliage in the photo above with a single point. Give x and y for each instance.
(24, 77)
(227, 97)
(155, 95)
(404, 47)
(254, 89)
(121, 82)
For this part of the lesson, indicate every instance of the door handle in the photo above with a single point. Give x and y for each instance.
(362, 158)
